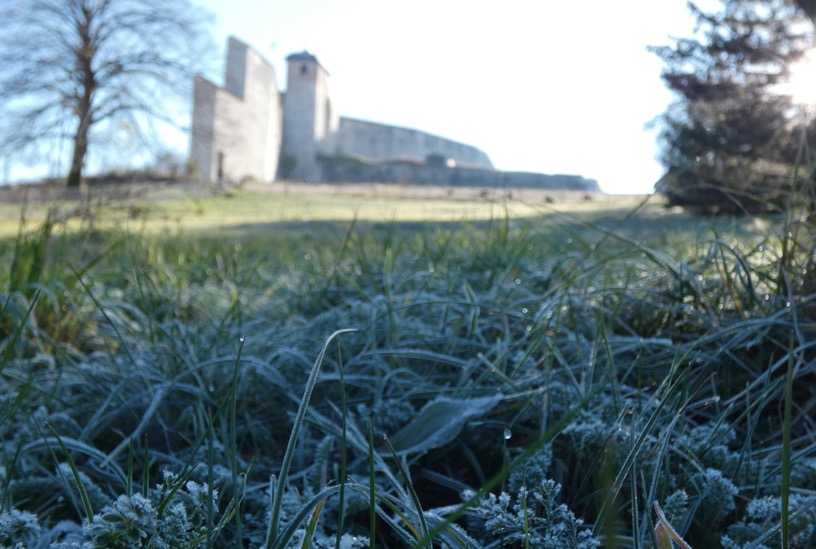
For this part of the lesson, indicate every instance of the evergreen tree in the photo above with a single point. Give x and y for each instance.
(730, 140)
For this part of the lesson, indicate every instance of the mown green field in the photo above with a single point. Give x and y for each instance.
(270, 369)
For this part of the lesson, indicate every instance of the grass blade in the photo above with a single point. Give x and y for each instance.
(414, 498)
(83, 494)
(293, 437)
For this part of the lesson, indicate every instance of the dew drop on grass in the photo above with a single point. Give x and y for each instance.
(529, 328)
(507, 433)
(524, 310)
(242, 339)
(307, 257)
(211, 388)
(431, 269)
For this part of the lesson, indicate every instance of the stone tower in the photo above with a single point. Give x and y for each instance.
(310, 121)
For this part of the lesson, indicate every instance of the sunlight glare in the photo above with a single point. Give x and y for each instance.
(802, 84)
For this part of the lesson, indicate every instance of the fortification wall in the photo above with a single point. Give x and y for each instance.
(383, 142)
(350, 170)
(203, 128)
(263, 118)
(246, 129)
(237, 129)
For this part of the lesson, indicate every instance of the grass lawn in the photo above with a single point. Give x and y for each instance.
(393, 367)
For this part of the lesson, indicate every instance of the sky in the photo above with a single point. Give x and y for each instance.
(540, 85)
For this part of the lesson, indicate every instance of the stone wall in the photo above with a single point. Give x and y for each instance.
(236, 131)
(352, 170)
(383, 142)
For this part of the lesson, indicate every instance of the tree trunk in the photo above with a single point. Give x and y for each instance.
(80, 150)
(84, 58)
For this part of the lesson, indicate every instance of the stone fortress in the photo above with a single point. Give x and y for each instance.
(248, 129)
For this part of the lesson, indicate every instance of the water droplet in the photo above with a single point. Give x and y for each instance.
(529, 328)
(307, 257)
(507, 433)
(242, 339)
(211, 388)
(518, 281)
(787, 304)
(524, 310)
(431, 269)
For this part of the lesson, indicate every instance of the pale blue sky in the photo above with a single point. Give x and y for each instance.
(540, 85)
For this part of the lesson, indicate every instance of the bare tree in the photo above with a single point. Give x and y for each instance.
(71, 67)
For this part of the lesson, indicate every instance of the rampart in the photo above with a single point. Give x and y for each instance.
(384, 142)
(353, 170)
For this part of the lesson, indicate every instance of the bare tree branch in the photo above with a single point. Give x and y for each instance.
(93, 62)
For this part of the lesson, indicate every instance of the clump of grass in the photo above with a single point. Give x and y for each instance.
(563, 374)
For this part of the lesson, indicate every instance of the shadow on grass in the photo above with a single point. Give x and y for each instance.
(647, 225)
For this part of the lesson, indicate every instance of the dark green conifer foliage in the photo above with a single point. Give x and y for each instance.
(730, 140)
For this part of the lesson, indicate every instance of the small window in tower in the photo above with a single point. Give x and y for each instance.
(303, 69)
